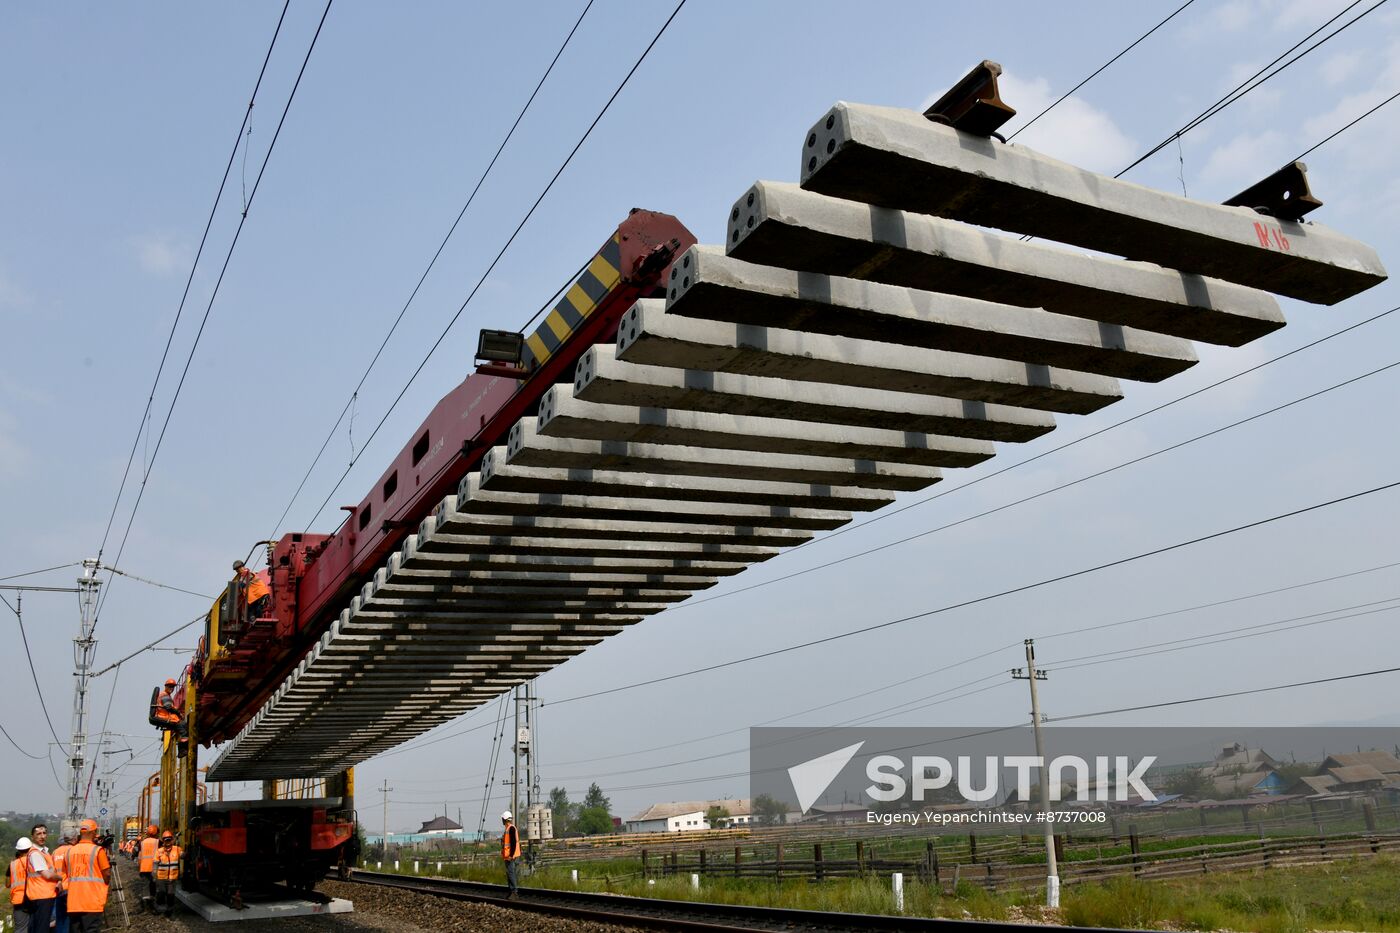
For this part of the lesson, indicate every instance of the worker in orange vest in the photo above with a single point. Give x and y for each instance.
(510, 851)
(167, 712)
(19, 874)
(147, 865)
(167, 873)
(60, 904)
(256, 592)
(41, 880)
(89, 874)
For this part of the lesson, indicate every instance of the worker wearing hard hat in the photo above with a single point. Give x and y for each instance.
(19, 875)
(89, 874)
(167, 713)
(167, 873)
(42, 880)
(147, 864)
(510, 851)
(256, 592)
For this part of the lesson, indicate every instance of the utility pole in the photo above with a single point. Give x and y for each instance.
(384, 840)
(1032, 674)
(88, 586)
(522, 738)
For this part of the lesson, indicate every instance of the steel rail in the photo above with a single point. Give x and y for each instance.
(661, 914)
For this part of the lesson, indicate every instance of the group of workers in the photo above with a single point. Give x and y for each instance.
(65, 888)
(158, 862)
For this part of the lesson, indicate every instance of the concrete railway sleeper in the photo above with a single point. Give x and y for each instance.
(686, 411)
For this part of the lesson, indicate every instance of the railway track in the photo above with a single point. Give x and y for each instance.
(659, 914)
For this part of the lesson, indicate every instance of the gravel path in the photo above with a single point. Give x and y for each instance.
(388, 910)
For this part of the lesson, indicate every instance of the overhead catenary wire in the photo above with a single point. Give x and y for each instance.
(698, 779)
(989, 597)
(1181, 610)
(1100, 70)
(33, 673)
(163, 586)
(33, 573)
(150, 645)
(213, 295)
(504, 249)
(431, 264)
(143, 427)
(1037, 495)
(1255, 80)
(984, 477)
(1319, 144)
(1224, 696)
(1202, 641)
(922, 703)
(17, 746)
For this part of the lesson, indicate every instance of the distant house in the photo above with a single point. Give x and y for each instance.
(1384, 762)
(1242, 758)
(1248, 784)
(689, 816)
(440, 826)
(1346, 774)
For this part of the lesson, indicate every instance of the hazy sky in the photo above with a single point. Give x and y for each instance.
(118, 122)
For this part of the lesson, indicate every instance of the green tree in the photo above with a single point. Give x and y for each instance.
(563, 812)
(769, 812)
(717, 817)
(593, 821)
(594, 799)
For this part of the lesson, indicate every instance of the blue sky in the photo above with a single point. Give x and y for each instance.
(119, 120)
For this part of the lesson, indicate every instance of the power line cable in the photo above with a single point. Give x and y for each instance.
(142, 428)
(11, 740)
(977, 600)
(890, 513)
(922, 703)
(33, 673)
(1219, 602)
(1203, 641)
(163, 586)
(510, 240)
(214, 294)
(32, 573)
(1223, 696)
(150, 645)
(1018, 725)
(1250, 84)
(1318, 145)
(939, 670)
(1034, 496)
(431, 263)
(1100, 70)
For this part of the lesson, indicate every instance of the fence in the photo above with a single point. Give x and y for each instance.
(1016, 864)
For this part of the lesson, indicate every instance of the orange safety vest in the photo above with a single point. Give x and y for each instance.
(87, 892)
(37, 887)
(148, 854)
(60, 861)
(167, 863)
(257, 589)
(510, 843)
(19, 872)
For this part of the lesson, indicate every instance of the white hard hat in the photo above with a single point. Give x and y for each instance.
(504, 816)
(23, 843)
